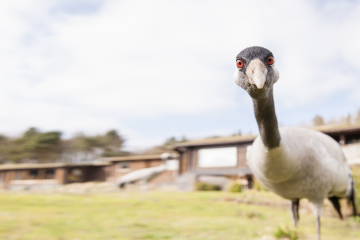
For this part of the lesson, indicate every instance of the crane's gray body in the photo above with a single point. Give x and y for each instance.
(307, 164)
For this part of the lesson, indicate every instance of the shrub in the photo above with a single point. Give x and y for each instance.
(257, 186)
(285, 232)
(235, 187)
(207, 187)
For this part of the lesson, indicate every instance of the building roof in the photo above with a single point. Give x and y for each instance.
(138, 158)
(48, 165)
(216, 141)
(337, 129)
(217, 171)
(133, 158)
(327, 129)
(106, 162)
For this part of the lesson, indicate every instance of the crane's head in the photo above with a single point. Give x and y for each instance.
(255, 71)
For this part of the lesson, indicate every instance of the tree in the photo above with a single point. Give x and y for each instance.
(318, 121)
(173, 140)
(82, 148)
(45, 147)
(237, 133)
(112, 143)
(37, 146)
(34, 145)
(348, 119)
(89, 148)
(4, 141)
(170, 141)
(357, 118)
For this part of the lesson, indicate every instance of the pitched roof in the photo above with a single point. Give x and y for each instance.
(216, 141)
(336, 129)
(133, 158)
(49, 165)
(327, 129)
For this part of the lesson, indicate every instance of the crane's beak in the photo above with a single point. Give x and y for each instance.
(256, 72)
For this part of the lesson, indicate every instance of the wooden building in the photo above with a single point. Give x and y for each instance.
(120, 166)
(227, 156)
(45, 175)
(344, 135)
(349, 138)
(223, 156)
(217, 157)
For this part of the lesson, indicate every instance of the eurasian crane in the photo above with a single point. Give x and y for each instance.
(292, 162)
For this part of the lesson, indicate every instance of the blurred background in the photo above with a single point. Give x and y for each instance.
(99, 88)
(156, 69)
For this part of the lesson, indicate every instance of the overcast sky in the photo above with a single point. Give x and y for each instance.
(155, 69)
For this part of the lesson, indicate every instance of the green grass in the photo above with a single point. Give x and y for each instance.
(157, 215)
(356, 176)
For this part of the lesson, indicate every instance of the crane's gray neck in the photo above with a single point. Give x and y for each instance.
(266, 118)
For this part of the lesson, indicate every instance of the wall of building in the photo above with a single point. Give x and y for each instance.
(165, 177)
(75, 173)
(242, 156)
(60, 175)
(184, 162)
(29, 178)
(352, 153)
(189, 159)
(116, 170)
(25, 174)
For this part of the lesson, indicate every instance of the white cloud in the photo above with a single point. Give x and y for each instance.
(147, 59)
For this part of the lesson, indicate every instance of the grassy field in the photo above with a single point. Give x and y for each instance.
(158, 215)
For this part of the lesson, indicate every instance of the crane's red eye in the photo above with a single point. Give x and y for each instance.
(239, 63)
(270, 60)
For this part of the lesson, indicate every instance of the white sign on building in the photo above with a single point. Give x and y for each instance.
(217, 157)
(352, 153)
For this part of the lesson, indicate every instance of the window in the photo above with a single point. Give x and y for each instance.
(217, 157)
(75, 175)
(33, 174)
(123, 167)
(49, 174)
